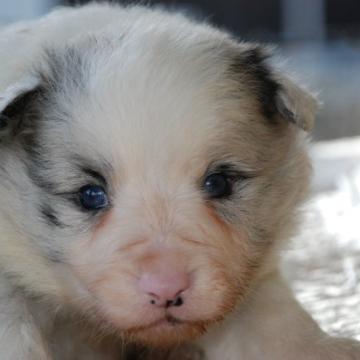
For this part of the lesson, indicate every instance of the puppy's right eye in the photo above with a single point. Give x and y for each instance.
(93, 197)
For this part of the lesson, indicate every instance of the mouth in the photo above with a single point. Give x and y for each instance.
(167, 321)
(166, 331)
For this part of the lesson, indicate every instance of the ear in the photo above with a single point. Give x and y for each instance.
(277, 93)
(295, 104)
(16, 106)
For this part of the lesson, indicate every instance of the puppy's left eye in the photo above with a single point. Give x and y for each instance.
(218, 186)
(93, 197)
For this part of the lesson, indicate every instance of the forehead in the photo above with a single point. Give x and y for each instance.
(160, 103)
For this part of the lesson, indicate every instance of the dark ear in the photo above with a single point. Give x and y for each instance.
(278, 94)
(17, 107)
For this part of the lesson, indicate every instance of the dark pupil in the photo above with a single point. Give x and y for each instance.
(93, 197)
(217, 185)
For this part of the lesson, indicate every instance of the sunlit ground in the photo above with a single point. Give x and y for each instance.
(324, 261)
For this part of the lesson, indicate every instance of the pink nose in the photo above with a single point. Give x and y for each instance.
(165, 289)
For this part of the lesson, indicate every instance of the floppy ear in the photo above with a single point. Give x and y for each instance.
(16, 106)
(277, 94)
(295, 104)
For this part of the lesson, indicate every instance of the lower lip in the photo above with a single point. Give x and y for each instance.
(163, 323)
(166, 322)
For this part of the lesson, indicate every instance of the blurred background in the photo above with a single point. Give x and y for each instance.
(320, 40)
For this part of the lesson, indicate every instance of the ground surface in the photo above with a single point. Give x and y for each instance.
(323, 263)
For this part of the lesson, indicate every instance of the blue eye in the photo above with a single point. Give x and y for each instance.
(217, 186)
(93, 197)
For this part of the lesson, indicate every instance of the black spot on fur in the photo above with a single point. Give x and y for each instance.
(50, 216)
(36, 166)
(252, 63)
(56, 256)
(65, 70)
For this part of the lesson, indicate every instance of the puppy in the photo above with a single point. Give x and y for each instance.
(151, 169)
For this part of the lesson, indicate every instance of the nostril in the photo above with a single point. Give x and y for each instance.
(168, 303)
(164, 290)
(178, 301)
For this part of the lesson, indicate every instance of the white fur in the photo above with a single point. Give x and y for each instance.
(270, 324)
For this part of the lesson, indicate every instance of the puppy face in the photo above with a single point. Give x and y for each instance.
(154, 177)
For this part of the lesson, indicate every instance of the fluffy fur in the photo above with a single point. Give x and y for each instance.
(147, 104)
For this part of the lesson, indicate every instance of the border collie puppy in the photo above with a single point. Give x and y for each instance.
(151, 168)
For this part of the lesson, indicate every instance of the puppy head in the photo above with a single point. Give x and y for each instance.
(152, 175)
